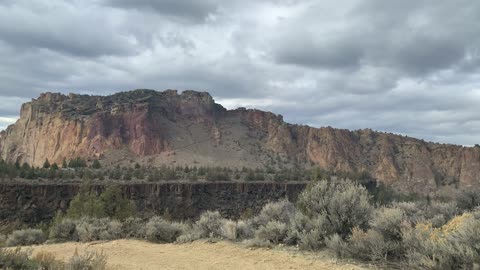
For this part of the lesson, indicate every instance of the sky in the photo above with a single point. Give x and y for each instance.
(406, 67)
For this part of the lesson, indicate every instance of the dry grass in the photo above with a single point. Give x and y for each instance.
(199, 255)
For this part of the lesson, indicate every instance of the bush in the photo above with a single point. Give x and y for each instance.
(281, 211)
(229, 230)
(369, 245)
(64, 231)
(159, 230)
(133, 228)
(210, 224)
(337, 244)
(388, 222)
(245, 230)
(344, 205)
(87, 261)
(47, 261)
(92, 229)
(113, 231)
(26, 237)
(16, 259)
(413, 211)
(273, 232)
(452, 246)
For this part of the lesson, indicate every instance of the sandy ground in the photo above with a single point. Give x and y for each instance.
(135, 254)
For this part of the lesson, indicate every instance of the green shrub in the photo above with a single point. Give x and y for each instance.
(337, 244)
(92, 229)
(388, 222)
(210, 224)
(16, 259)
(274, 232)
(133, 228)
(344, 205)
(281, 211)
(312, 237)
(245, 230)
(159, 230)
(26, 237)
(64, 231)
(113, 231)
(369, 245)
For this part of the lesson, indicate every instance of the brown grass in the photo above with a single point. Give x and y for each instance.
(200, 255)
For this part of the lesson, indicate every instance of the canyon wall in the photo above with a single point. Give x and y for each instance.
(35, 203)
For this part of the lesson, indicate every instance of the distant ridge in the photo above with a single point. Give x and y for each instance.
(154, 128)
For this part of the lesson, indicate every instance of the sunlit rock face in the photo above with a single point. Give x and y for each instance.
(189, 128)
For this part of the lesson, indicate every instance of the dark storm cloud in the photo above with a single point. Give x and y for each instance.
(414, 37)
(409, 67)
(185, 10)
(58, 26)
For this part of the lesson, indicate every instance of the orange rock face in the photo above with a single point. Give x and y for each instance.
(190, 128)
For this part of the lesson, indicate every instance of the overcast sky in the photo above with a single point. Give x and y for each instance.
(408, 67)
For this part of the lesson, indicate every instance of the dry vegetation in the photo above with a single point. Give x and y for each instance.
(335, 216)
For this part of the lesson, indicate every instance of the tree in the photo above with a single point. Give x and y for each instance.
(46, 164)
(96, 164)
(64, 163)
(115, 205)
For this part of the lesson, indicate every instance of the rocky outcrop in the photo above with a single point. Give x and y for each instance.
(36, 203)
(155, 128)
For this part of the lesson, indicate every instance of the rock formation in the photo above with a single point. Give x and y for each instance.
(156, 128)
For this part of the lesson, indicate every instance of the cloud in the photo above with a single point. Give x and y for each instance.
(409, 67)
(183, 10)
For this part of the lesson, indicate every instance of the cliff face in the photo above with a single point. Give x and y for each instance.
(190, 128)
(36, 203)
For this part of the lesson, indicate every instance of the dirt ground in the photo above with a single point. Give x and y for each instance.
(135, 254)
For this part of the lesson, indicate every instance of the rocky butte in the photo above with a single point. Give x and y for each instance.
(166, 127)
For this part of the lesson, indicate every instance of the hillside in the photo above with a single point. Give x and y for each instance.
(155, 128)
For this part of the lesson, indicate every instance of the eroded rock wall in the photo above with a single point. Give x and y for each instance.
(34, 203)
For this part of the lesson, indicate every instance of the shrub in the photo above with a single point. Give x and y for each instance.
(159, 230)
(245, 230)
(314, 238)
(299, 223)
(92, 229)
(188, 237)
(113, 231)
(368, 245)
(281, 211)
(133, 228)
(46, 260)
(452, 246)
(337, 244)
(16, 259)
(388, 222)
(344, 205)
(210, 224)
(273, 232)
(413, 211)
(63, 231)
(26, 237)
(228, 230)
(87, 261)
